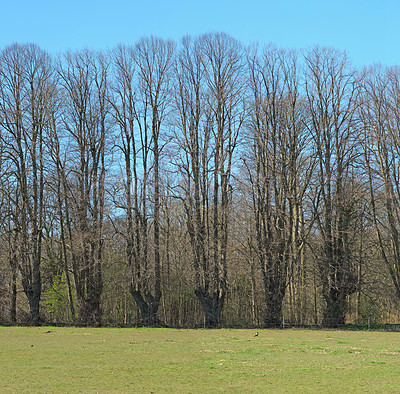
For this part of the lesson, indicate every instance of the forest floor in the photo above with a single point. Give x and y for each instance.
(145, 360)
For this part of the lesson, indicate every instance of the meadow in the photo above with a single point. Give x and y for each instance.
(145, 360)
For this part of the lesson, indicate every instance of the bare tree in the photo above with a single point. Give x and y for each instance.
(381, 118)
(209, 100)
(141, 89)
(84, 80)
(278, 171)
(61, 190)
(26, 91)
(332, 89)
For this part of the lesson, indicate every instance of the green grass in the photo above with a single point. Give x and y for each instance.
(197, 361)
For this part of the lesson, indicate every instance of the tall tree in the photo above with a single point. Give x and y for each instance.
(84, 80)
(278, 169)
(381, 118)
(141, 105)
(209, 100)
(154, 61)
(26, 89)
(62, 194)
(332, 90)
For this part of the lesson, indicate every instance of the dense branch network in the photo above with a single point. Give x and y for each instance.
(200, 183)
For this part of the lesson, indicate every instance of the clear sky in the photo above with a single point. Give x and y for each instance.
(368, 30)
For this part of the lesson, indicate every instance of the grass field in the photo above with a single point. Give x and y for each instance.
(50, 359)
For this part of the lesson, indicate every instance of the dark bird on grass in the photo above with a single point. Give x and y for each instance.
(256, 334)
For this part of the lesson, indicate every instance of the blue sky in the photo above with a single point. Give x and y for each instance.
(368, 30)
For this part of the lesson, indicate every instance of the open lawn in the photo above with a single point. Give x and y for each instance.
(50, 359)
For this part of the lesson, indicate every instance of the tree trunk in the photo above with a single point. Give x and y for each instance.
(13, 310)
(273, 315)
(335, 310)
(212, 307)
(148, 308)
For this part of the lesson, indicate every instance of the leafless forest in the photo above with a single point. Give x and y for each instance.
(199, 183)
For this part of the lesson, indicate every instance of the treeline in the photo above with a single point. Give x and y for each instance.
(203, 183)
